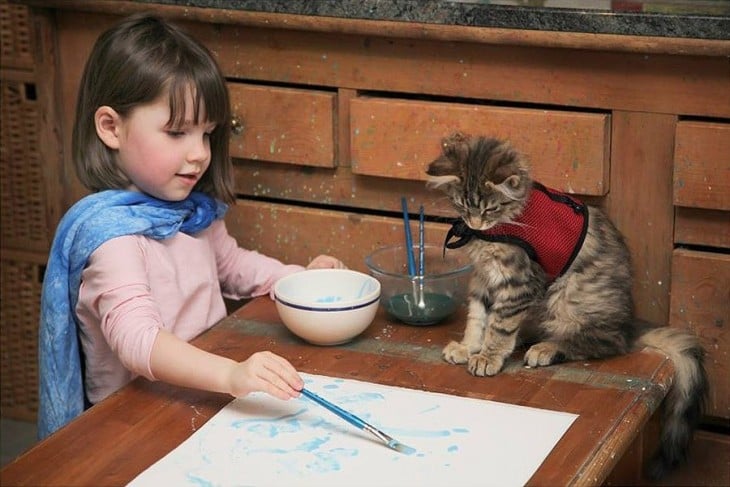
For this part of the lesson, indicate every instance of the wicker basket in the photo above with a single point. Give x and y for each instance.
(20, 285)
(22, 187)
(15, 44)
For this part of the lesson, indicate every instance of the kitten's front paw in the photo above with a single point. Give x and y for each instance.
(485, 365)
(543, 354)
(456, 353)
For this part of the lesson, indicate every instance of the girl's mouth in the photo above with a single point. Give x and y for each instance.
(189, 178)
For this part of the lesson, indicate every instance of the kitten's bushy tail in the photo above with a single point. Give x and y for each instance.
(685, 400)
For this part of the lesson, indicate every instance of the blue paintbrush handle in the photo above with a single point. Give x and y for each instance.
(359, 423)
(409, 238)
(349, 417)
(421, 244)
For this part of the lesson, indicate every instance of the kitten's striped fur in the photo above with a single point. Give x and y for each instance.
(585, 313)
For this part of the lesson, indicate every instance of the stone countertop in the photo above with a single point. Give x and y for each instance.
(694, 19)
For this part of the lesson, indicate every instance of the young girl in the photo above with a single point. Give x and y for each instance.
(140, 266)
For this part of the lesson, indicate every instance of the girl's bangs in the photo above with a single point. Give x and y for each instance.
(210, 100)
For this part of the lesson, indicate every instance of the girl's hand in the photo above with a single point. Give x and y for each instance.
(265, 372)
(326, 262)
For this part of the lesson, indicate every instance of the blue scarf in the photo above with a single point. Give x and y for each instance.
(88, 224)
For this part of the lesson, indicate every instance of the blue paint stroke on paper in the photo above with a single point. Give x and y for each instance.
(318, 457)
(271, 427)
(296, 440)
(199, 481)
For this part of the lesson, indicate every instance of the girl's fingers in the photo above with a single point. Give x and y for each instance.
(326, 262)
(281, 374)
(275, 385)
(279, 365)
(267, 372)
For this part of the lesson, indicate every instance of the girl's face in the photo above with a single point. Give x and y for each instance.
(163, 161)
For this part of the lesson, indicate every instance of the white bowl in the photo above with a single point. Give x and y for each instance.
(327, 306)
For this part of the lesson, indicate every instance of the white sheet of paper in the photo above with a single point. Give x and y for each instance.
(262, 441)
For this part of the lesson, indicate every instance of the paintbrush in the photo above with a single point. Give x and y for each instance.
(359, 423)
(409, 238)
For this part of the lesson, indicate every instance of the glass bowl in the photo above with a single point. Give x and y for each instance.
(420, 300)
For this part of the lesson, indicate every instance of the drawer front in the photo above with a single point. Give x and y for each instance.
(700, 301)
(702, 227)
(284, 125)
(399, 138)
(296, 235)
(702, 165)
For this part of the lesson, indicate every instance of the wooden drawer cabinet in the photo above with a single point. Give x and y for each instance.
(700, 300)
(295, 235)
(700, 291)
(397, 138)
(287, 125)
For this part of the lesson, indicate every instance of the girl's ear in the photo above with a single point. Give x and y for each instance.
(108, 124)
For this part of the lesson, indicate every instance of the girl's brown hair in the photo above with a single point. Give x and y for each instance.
(134, 63)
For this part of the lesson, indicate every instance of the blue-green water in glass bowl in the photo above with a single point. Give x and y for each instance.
(405, 308)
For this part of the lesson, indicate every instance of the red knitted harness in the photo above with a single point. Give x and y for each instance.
(551, 229)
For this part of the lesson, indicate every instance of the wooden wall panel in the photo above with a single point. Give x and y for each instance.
(75, 36)
(640, 204)
(567, 77)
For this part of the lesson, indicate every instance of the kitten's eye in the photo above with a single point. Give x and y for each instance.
(491, 209)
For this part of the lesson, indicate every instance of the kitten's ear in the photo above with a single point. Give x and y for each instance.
(445, 169)
(512, 187)
(456, 146)
(442, 171)
(513, 182)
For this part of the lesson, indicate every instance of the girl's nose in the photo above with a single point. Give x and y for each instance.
(199, 151)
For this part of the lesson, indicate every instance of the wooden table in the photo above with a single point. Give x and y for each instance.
(117, 439)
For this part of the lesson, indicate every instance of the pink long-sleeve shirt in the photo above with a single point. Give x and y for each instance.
(133, 286)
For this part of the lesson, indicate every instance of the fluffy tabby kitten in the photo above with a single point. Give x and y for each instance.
(551, 270)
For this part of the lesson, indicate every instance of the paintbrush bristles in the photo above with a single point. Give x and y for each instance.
(400, 447)
(390, 442)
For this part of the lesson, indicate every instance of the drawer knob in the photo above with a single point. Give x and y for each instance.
(236, 125)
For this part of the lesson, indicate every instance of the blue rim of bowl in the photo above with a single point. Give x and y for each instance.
(310, 308)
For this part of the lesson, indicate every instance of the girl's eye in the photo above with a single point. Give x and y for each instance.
(175, 133)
